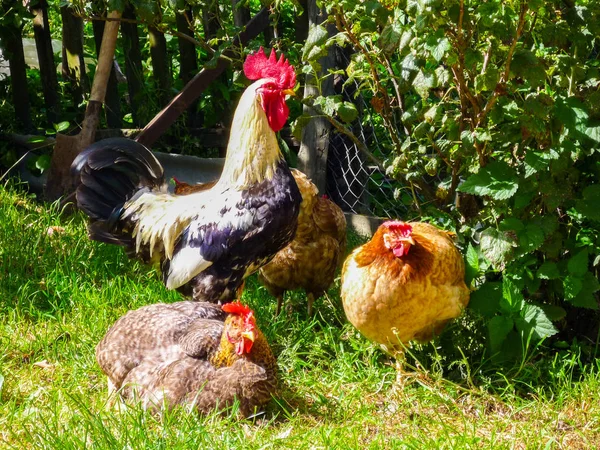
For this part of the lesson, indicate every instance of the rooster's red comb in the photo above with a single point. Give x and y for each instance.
(258, 66)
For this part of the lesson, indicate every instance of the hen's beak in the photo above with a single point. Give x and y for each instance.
(249, 335)
(410, 240)
(248, 340)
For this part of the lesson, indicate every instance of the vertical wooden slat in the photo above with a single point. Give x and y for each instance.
(188, 62)
(73, 66)
(133, 69)
(314, 147)
(43, 43)
(13, 46)
(161, 64)
(112, 103)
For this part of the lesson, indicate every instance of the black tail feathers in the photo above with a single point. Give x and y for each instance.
(110, 172)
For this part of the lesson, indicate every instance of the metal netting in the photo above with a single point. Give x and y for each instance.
(353, 182)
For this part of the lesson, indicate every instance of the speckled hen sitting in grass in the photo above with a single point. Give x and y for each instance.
(189, 353)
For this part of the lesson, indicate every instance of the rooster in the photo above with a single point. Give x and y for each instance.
(207, 242)
(189, 353)
(404, 284)
(308, 262)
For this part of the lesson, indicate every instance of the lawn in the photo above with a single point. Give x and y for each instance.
(60, 293)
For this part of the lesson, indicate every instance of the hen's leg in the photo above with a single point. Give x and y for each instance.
(311, 298)
(279, 304)
(115, 401)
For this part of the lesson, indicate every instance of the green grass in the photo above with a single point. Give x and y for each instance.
(60, 293)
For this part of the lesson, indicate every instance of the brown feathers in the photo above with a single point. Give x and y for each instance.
(310, 261)
(393, 300)
(186, 353)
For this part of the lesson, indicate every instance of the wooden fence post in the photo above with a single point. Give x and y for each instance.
(112, 103)
(13, 45)
(43, 44)
(73, 66)
(133, 68)
(161, 64)
(241, 14)
(188, 62)
(314, 147)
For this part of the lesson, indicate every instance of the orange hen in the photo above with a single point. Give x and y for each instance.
(404, 284)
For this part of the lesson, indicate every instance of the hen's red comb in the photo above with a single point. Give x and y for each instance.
(397, 225)
(236, 308)
(258, 66)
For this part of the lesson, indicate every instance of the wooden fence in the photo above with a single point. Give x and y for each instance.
(339, 177)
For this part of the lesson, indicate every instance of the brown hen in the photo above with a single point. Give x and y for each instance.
(404, 284)
(189, 353)
(308, 262)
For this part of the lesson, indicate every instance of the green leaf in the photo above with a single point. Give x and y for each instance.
(347, 112)
(299, 124)
(572, 286)
(538, 161)
(578, 264)
(573, 114)
(586, 298)
(531, 238)
(1, 382)
(497, 246)
(389, 40)
(588, 205)
(511, 223)
(440, 48)
(314, 46)
(43, 162)
(486, 82)
(471, 264)
(512, 298)
(497, 180)
(36, 139)
(534, 320)
(486, 299)
(423, 82)
(62, 126)
(548, 271)
(498, 329)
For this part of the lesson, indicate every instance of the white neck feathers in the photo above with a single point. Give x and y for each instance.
(252, 151)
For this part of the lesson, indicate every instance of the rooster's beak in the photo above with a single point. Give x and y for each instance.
(289, 92)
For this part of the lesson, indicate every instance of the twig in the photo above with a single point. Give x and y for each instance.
(14, 165)
(504, 78)
(343, 26)
(388, 66)
(459, 69)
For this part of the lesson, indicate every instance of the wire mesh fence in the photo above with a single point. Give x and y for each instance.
(353, 182)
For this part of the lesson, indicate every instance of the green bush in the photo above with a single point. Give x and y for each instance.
(490, 112)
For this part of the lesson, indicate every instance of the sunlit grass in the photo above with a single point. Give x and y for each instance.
(60, 293)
